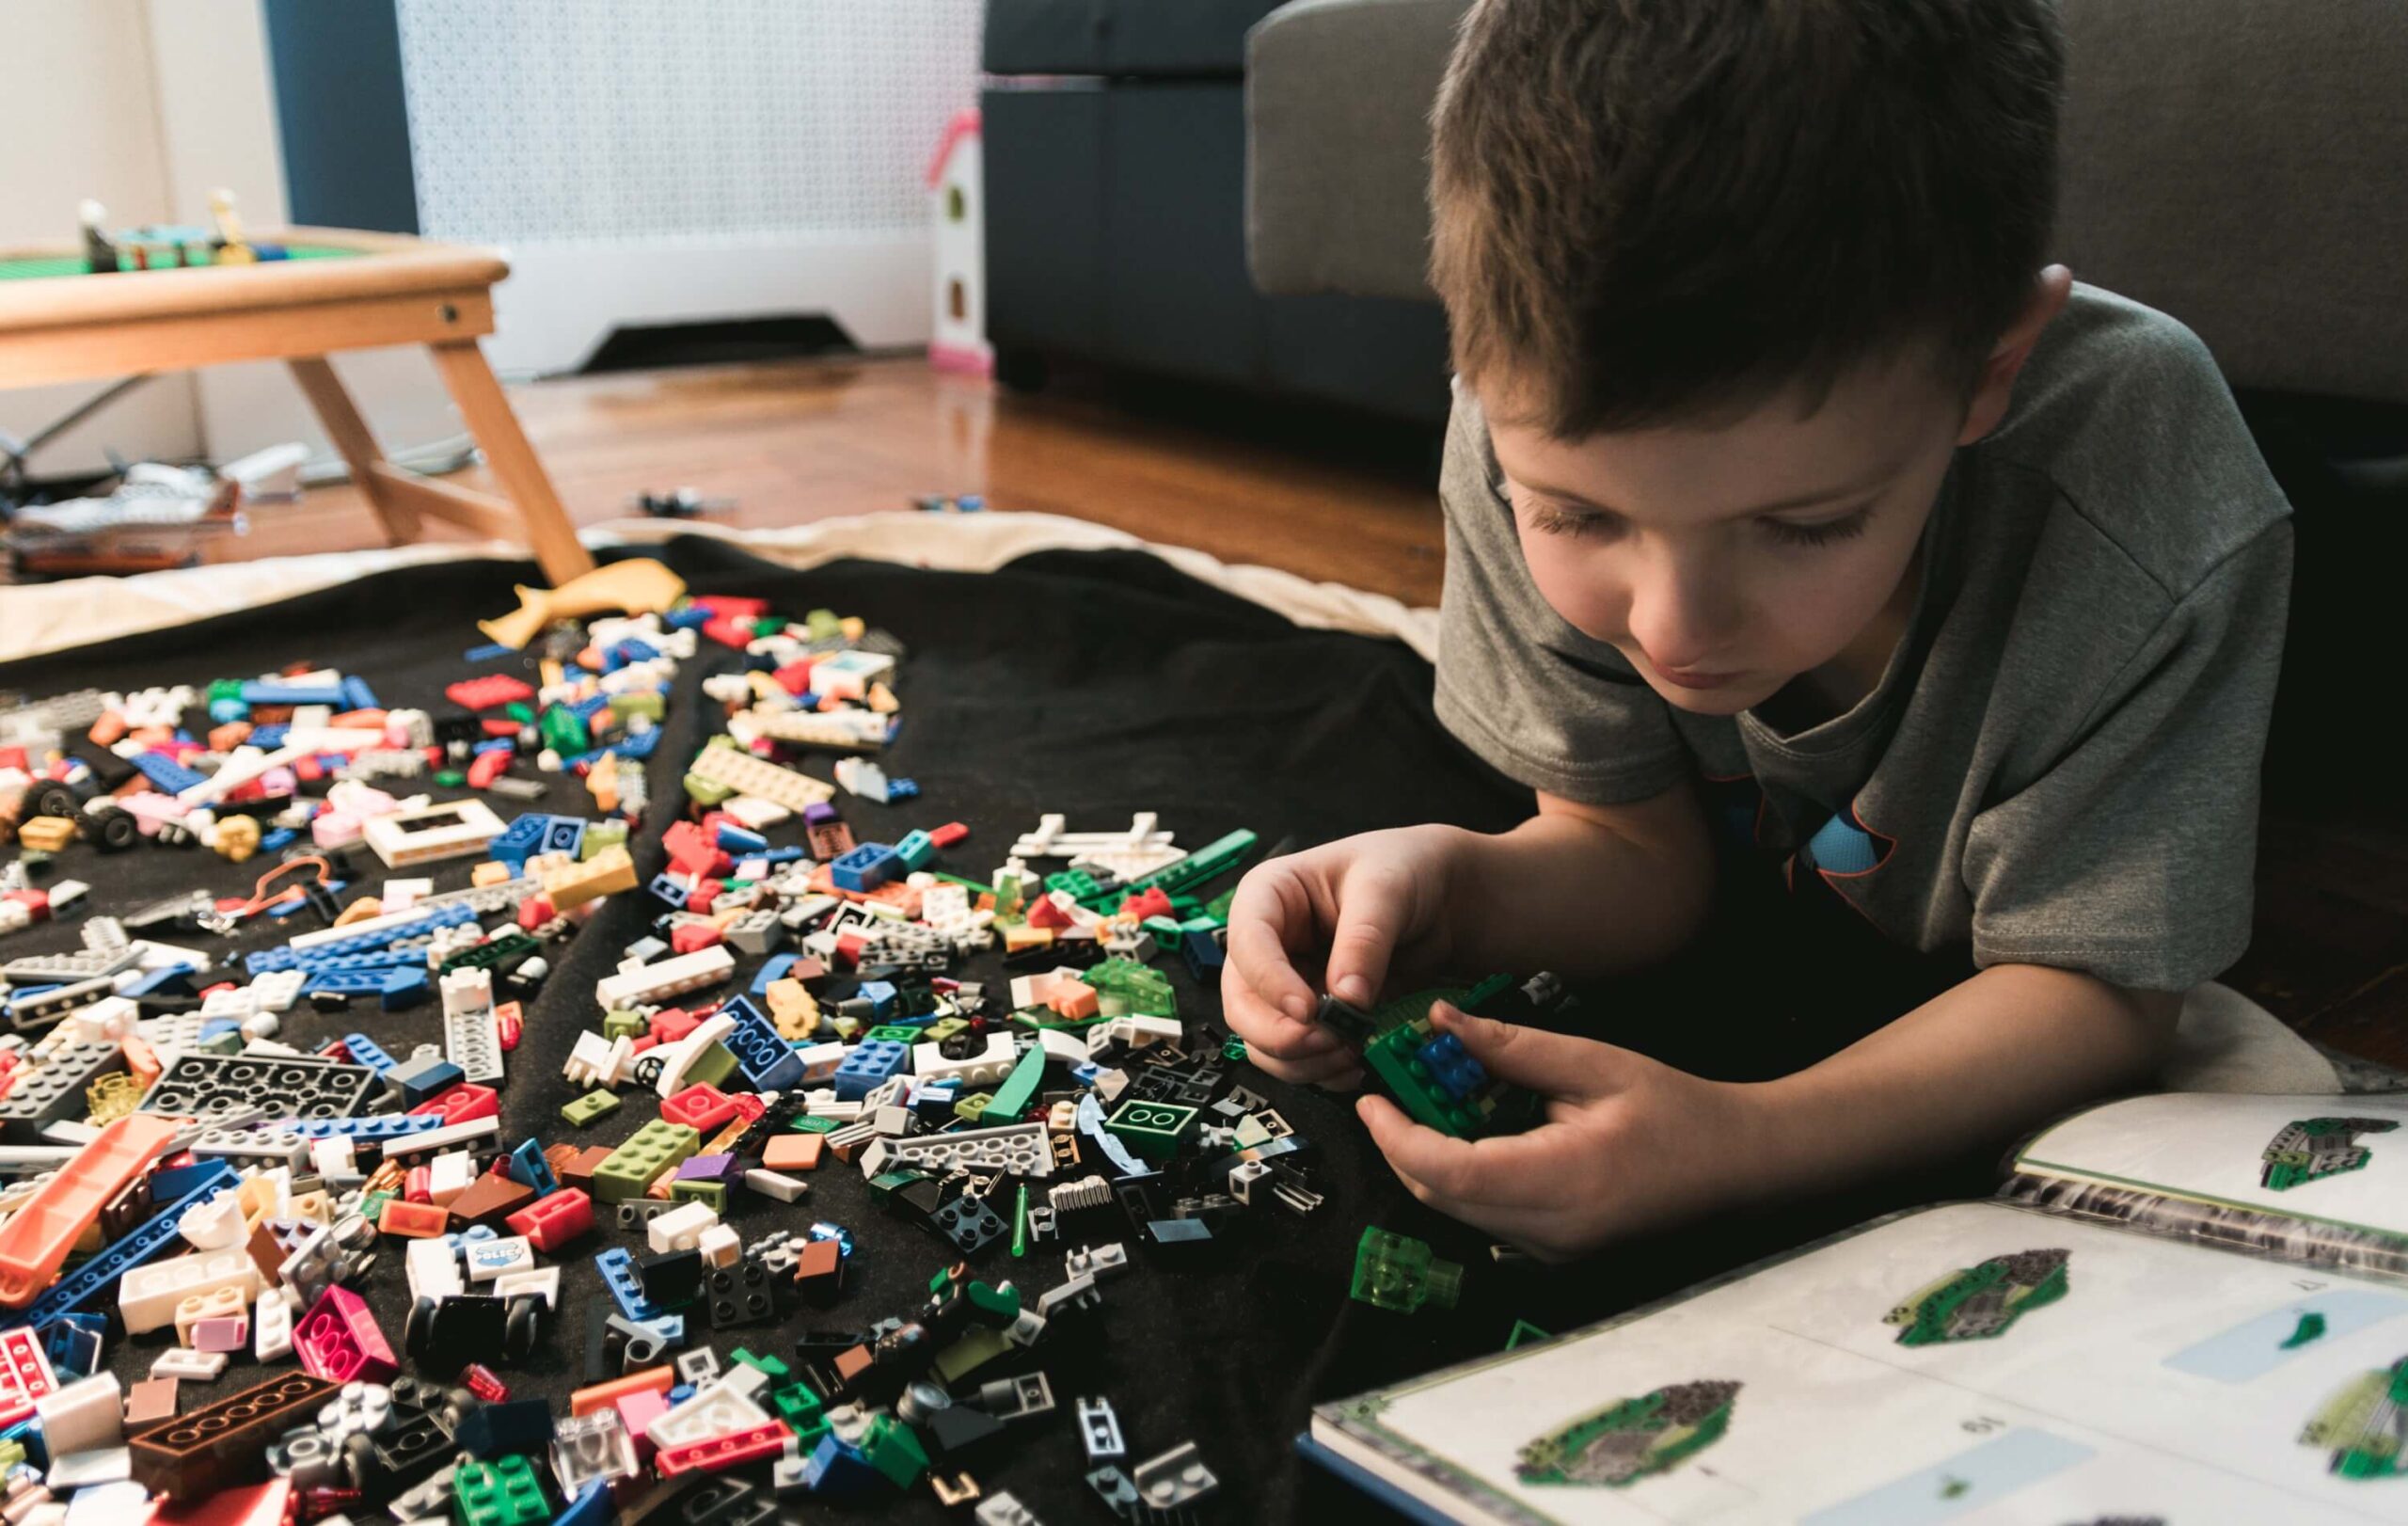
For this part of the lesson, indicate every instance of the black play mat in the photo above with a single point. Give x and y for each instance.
(1096, 684)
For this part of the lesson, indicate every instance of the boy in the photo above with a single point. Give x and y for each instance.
(1790, 499)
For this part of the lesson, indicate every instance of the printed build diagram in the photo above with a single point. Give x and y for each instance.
(1975, 1303)
(2314, 1148)
(1632, 1438)
(2364, 1423)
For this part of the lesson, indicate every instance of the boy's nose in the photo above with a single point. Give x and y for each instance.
(1683, 622)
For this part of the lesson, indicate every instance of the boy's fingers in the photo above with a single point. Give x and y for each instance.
(1260, 917)
(1556, 1064)
(1489, 1176)
(1371, 908)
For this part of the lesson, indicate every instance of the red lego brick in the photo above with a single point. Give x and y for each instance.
(554, 1220)
(671, 1023)
(509, 1022)
(461, 1104)
(484, 1382)
(25, 1377)
(488, 693)
(701, 1107)
(723, 1452)
(487, 767)
(693, 937)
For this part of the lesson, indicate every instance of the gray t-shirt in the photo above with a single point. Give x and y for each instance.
(2059, 764)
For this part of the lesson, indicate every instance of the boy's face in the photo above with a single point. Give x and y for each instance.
(1725, 560)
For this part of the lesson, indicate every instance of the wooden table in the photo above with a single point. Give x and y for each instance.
(384, 289)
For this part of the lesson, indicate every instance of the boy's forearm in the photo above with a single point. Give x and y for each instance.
(1973, 1066)
(1564, 893)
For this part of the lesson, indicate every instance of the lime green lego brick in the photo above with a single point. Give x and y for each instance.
(599, 835)
(707, 792)
(714, 1193)
(586, 1109)
(1152, 1128)
(823, 625)
(714, 1064)
(944, 1028)
(651, 706)
(652, 1150)
(972, 1109)
(623, 1024)
(1019, 1090)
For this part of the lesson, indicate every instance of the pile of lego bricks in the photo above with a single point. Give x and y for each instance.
(798, 961)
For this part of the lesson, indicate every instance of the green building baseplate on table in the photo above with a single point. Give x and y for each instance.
(1978, 1303)
(1400, 1274)
(1632, 1438)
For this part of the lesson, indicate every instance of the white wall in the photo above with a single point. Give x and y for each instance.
(76, 79)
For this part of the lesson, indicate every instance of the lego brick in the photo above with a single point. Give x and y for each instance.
(453, 829)
(223, 1444)
(285, 1086)
(1020, 1149)
(766, 1059)
(54, 1089)
(98, 1274)
(650, 984)
(36, 1240)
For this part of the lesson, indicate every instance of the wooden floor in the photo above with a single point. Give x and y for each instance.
(1330, 497)
(1350, 501)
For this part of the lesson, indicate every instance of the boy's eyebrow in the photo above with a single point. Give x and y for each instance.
(1798, 500)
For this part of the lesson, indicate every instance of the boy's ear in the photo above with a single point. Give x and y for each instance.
(1996, 388)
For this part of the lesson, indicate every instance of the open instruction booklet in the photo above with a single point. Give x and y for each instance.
(2181, 1308)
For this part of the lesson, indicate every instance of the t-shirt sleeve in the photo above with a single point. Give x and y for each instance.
(1516, 684)
(2131, 858)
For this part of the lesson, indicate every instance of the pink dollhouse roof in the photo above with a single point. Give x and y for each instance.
(964, 124)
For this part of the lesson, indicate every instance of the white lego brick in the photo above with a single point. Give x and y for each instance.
(679, 1058)
(147, 1296)
(490, 1259)
(278, 989)
(721, 1246)
(716, 1408)
(182, 1361)
(655, 984)
(1022, 1148)
(776, 1185)
(336, 1155)
(542, 1282)
(84, 1414)
(432, 1269)
(442, 1138)
(215, 1224)
(449, 1176)
(680, 1229)
(272, 1326)
(990, 1065)
(597, 1061)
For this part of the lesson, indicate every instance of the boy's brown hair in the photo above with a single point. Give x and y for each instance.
(1645, 210)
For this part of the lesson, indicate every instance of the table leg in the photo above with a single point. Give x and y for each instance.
(331, 401)
(483, 404)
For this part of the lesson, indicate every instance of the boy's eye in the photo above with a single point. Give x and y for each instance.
(1843, 528)
(1553, 521)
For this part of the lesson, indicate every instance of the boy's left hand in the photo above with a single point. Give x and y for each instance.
(1629, 1144)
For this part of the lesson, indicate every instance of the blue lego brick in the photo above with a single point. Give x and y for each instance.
(593, 1506)
(865, 868)
(665, 886)
(885, 1002)
(739, 841)
(72, 1343)
(902, 789)
(588, 707)
(494, 744)
(766, 1060)
(396, 987)
(618, 1268)
(374, 1127)
(152, 981)
(269, 738)
(564, 835)
(420, 1078)
(367, 1050)
(217, 1027)
(357, 695)
(528, 1168)
(278, 841)
(278, 692)
(284, 909)
(633, 649)
(490, 651)
(405, 935)
(690, 617)
(520, 840)
(779, 855)
(165, 772)
(1451, 1070)
(916, 850)
(98, 1274)
(222, 710)
(1204, 955)
(871, 1062)
(773, 968)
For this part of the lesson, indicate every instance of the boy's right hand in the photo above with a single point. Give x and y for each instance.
(1336, 913)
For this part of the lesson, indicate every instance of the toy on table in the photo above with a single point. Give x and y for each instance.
(1429, 1073)
(637, 586)
(164, 247)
